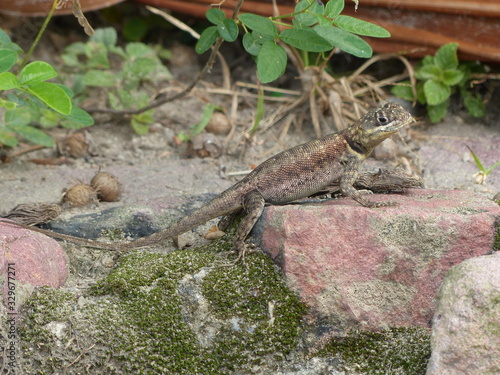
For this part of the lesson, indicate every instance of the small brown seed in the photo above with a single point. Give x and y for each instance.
(107, 186)
(80, 195)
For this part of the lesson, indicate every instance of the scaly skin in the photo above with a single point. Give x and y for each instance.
(295, 173)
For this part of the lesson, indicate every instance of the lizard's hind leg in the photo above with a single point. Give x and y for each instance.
(253, 205)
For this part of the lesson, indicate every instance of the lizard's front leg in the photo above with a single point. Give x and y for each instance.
(253, 205)
(352, 164)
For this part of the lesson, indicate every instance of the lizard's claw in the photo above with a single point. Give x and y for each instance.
(242, 250)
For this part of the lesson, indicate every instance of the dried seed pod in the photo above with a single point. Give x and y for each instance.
(34, 213)
(80, 195)
(107, 186)
(75, 145)
(218, 124)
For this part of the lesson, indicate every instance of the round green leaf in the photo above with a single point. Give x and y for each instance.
(7, 139)
(251, 44)
(99, 78)
(215, 16)
(8, 58)
(207, 38)
(446, 56)
(310, 16)
(333, 8)
(35, 72)
(404, 92)
(452, 77)
(437, 112)
(360, 27)
(228, 30)
(52, 95)
(427, 72)
(344, 40)
(271, 62)
(8, 81)
(260, 24)
(306, 40)
(436, 92)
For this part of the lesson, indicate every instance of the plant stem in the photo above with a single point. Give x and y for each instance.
(259, 112)
(39, 35)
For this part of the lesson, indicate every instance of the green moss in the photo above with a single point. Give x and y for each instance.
(267, 315)
(135, 320)
(496, 242)
(402, 351)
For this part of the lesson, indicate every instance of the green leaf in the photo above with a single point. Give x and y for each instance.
(8, 58)
(36, 136)
(436, 92)
(271, 62)
(215, 16)
(7, 139)
(473, 103)
(78, 118)
(4, 39)
(446, 56)
(8, 81)
(251, 44)
(100, 78)
(7, 104)
(135, 28)
(106, 36)
(207, 38)
(17, 118)
(140, 123)
(437, 112)
(52, 95)
(344, 40)
(427, 72)
(452, 77)
(428, 60)
(228, 30)
(333, 8)
(308, 17)
(97, 55)
(476, 160)
(306, 40)
(208, 111)
(260, 24)
(404, 92)
(357, 26)
(135, 50)
(35, 72)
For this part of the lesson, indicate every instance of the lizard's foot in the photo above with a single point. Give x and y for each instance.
(380, 204)
(242, 249)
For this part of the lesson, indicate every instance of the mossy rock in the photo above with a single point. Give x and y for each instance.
(176, 313)
(396, 351)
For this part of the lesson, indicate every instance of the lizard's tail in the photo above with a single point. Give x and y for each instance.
(223, 204)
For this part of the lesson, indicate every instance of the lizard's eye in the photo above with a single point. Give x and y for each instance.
(382, 120)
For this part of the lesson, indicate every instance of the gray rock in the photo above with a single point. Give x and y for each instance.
(466, 326)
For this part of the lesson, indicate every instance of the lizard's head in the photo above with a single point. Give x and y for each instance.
(379, 124)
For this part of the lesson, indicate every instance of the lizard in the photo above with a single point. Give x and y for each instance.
(295, 173)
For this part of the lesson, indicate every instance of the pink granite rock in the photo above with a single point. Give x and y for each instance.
(30, 259)
(381, 267)
(466, 325)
